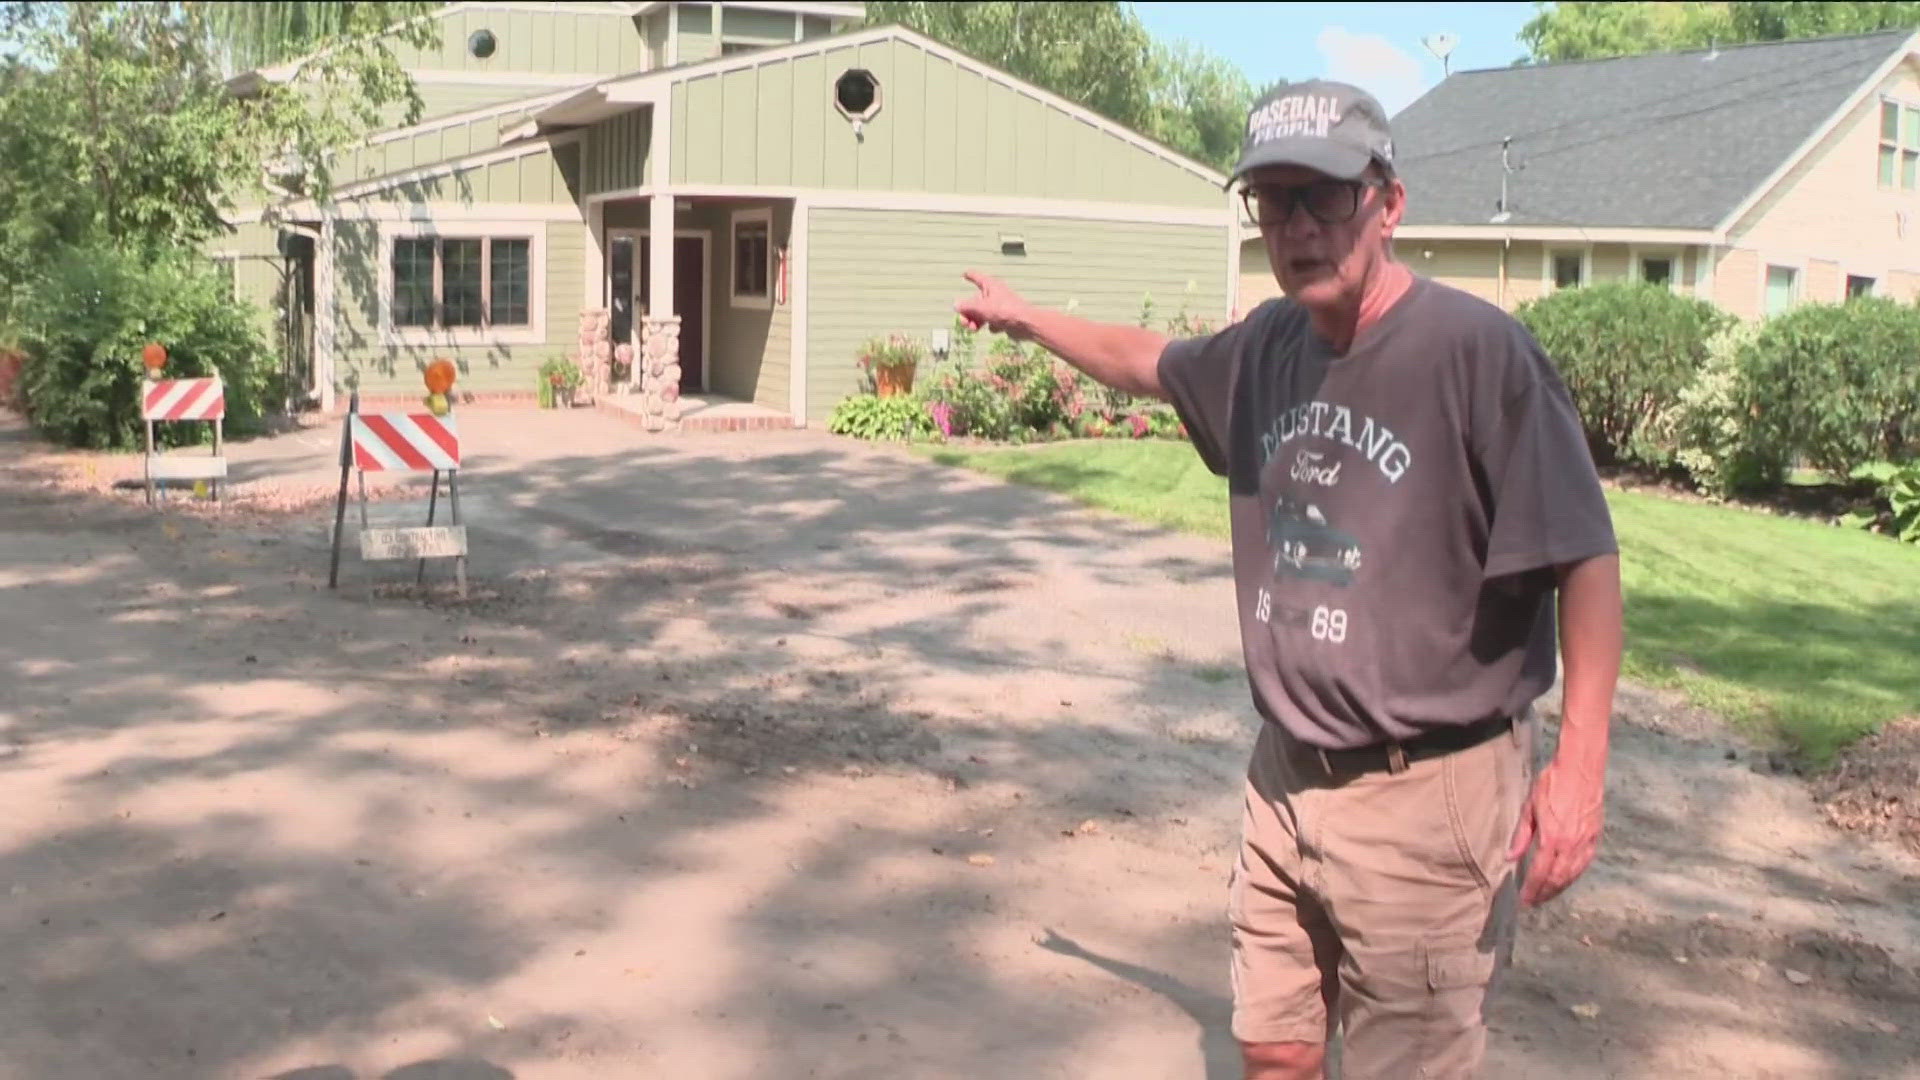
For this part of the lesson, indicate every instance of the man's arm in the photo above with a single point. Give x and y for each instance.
(1126, 358)
(1568, 806)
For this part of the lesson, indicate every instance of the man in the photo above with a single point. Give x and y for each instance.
(1409, 491)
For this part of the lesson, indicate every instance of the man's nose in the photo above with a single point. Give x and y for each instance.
(1298, 223)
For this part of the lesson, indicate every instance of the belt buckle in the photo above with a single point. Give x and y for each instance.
(1396, 758)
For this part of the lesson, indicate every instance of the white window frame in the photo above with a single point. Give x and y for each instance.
(1799, 268)
(762, 215)
(1546, 265)
(533, 333)
(1677, 257)
(1900, 146)
(1879, 282)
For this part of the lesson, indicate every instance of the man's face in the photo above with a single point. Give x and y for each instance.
(1325, 237)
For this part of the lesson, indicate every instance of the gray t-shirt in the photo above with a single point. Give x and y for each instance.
(1396, 512)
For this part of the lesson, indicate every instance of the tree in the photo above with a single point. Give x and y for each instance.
(1587, 31)
(1100, 56)
(118, 121)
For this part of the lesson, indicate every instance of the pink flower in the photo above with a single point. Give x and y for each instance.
(942, 414)
(1139, 426)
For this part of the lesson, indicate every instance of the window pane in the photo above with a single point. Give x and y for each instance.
(1910, 127)
(1657, 271)
(413, 281)
(1889, 121)
(1859, 286)
(460, 283)
(1780, 288)
(620, 258)
(750, 259)
(1887, 156)
(511, 271)
(1566, 271)
(1909, 165)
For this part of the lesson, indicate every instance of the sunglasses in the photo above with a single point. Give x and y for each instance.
(1330, 202)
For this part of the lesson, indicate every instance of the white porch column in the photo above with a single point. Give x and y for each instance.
(660, 348)
(325, 310)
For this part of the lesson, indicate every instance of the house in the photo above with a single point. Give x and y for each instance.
(749, 189)
(1757, 177)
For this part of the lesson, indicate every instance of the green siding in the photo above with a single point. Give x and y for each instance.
(542, 176)
(556, 43)
(941, 128)
(252, 254)
(696, 34)
(443, 143)
(877, 272)
(751, 352)
(447, 99)
(387, 371)
(616, 152)
(753, 25)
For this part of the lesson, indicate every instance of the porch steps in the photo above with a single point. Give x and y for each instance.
(703, 413)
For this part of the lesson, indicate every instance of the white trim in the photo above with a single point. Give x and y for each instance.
(1786, 262)
(453, 165)
(1705, 271)
(452, 211)
(799, 27)
(454, 77)
(762, 215)
(595, 277)
(1569, 234)
(934, 202)
(646, 86)
(797, 286)
(534, 333)
(556, 8)
(1547, 285)
(325, 313)
(829, 10)
(1675, 256)
(673, 33)
(1868, 88)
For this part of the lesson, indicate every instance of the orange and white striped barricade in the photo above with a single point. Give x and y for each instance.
(201, 400)
(402, 442)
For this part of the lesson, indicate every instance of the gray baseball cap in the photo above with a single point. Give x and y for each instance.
(1330, 127)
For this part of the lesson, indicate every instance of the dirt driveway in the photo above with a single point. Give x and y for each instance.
(758, 755)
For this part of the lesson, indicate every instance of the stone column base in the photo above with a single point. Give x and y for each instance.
(660, 373)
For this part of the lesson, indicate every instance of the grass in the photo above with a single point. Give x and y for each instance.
(1807, 632)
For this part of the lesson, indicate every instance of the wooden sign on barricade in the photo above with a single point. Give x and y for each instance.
(402, 442)
(201, 400)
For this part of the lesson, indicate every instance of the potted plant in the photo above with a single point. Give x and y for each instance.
(890, 362)
(563, 379)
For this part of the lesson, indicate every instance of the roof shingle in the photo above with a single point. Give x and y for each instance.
(1675, 140)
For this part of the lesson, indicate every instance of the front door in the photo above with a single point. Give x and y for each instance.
(627, 280)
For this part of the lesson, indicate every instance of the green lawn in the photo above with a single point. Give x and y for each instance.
(1806, 630)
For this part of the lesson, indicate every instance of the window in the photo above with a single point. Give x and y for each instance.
(1657, 269)
(1783, 288)
(1858, 286)
(752, 258)
(461, 283)
(734, 48)
(856, 93)
(1569, 269)
(1899, 146)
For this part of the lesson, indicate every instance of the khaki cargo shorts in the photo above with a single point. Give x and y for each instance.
(1379, 901)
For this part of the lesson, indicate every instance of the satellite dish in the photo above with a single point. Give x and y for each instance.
(1441, 45)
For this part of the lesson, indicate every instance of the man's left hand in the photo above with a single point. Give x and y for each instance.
(1564, 813)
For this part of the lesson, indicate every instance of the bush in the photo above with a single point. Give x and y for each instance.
(1626, 350)
(1897, 499)
(84, 321)
(901, 417)
(1710, 427)
(1837, 384)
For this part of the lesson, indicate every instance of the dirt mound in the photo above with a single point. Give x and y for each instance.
(1875, 787)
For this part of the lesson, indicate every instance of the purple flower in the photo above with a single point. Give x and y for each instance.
(942, 414)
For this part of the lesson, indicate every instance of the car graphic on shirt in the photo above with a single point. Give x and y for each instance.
(1306, 546)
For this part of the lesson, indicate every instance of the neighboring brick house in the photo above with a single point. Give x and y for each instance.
(1757, 176)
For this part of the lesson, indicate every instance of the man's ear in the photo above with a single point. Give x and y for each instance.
(1393, 203)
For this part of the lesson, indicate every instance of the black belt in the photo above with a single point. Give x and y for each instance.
(1395, 756)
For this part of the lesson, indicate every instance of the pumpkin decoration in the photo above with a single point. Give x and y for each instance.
(440, 375)
(154, 355)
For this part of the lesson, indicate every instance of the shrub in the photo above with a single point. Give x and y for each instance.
(1897, 499)
(1710, 423)
(1838, 384)
(870, 416)
(1626, 350)
(84, 320)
